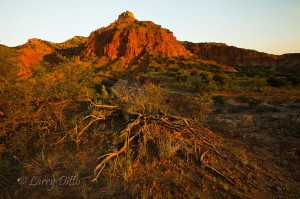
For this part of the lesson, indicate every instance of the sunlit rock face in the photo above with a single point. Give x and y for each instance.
(129, 38)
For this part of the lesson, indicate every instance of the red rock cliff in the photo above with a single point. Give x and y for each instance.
(230, 55)
(129, 38)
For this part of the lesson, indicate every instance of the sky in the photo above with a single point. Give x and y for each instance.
(271, 26)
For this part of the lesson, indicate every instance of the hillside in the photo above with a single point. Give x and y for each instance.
(129, 38)
(234, 56)
(128, 43)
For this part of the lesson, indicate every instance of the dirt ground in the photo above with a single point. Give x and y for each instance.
(269, 135)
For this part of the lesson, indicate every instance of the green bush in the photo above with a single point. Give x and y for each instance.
(194, 106)
(277, 82)
(219, 100)
(206, 77)
(200, 85)
(221, 78)
(259, 82)
(146, 100)
(295, 80)
(194, 73)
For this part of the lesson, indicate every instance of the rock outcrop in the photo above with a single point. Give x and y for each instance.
(30, 54)
(234, 56)
(129, 38)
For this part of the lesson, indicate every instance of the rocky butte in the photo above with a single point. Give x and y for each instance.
(129, 38)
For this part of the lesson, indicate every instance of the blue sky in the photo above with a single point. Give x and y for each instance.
(271, 26)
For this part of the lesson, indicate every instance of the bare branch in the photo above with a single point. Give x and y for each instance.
(116, 152)
(104, 106)
(89, 124)
(110, 156)
(213, 169)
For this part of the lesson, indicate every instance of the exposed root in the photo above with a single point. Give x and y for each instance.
(116, 152)
(213, 169)
(256, 186)
(195, 133)
(75, 133)
(175, 123)
(95, 119)
(103, 106)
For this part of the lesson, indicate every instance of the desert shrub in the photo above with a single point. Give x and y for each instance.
(203, 85)
(206, 77)
(252, 102)
(159, 59)
(194, 106)
(181, 76)
(258, 82)
(8, 68)
(227, 126)
(171, 61)
(104, 92)
(194, 73)
(246, 119)
(39, 110)
(253, 83)
(168, 146)
(42, 165)
(172, 74)
(159, 69)
(221, 78)
(219, 100)
(147, 99)
(264, 107)
(169, 31)
(277, 82)
(295, 80)
(290, 124)
(5, 170)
